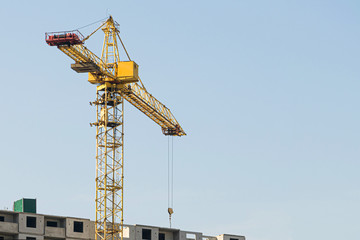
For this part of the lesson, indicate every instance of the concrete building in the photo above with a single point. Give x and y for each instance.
(32, 226)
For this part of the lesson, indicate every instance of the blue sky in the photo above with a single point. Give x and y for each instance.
(266, 90)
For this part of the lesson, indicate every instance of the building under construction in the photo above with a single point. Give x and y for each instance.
(25, 224)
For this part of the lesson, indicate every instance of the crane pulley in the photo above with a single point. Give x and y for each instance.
(115, 81)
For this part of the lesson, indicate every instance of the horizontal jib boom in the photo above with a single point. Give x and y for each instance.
(154, 109)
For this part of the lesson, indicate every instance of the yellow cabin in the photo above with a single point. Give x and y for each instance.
(127, 71)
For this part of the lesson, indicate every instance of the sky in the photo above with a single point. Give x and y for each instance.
(267, 92)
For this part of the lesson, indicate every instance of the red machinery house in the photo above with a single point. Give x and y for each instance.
(63, 38)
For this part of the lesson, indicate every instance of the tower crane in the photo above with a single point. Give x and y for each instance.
(115, 81)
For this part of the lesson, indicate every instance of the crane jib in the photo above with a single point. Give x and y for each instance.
(153, 109)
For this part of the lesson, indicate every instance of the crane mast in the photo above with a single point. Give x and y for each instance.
(115, 82)
(109, 162)
(109, 146)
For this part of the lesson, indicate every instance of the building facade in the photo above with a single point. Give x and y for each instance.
(32, 226)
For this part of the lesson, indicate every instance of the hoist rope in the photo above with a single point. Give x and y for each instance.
(168, 172)
(170, 178)
(172, 172)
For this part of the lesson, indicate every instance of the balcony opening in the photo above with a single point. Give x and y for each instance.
(51, 224)
(78, 227)
(31, 222)
(146, 234)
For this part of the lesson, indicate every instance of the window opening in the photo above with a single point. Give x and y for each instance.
(78, 226)
(146, 234)
(161, 236)
(31, 222)
(2, 219)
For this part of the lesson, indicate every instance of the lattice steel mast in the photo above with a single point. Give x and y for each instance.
(109, 145)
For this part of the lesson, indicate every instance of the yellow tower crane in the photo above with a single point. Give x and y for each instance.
(115, 81)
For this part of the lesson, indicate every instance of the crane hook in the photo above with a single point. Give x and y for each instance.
(170, 211)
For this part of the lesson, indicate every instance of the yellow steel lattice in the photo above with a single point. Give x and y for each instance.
(109, 163)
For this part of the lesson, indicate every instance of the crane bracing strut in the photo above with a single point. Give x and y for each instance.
(115, 82)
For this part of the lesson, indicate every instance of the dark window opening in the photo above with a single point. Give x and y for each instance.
(78, 227)
(31, 222)
(30, 238)
(2, 219)
(146, 234)
(234, 239)
(161, 236)
(1, 238)
(51, 224)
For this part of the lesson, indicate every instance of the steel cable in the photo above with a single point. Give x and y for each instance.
(92, 23)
